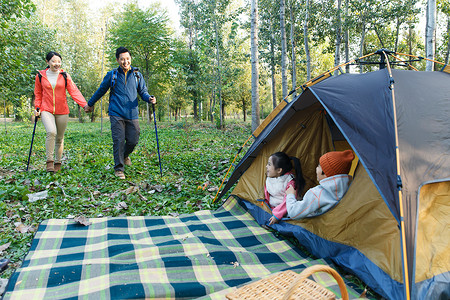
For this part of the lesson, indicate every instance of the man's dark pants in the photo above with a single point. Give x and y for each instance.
(125, 136)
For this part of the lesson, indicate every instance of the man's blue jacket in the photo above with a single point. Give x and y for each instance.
(123, 101)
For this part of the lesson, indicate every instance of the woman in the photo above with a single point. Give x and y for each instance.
(51, 105)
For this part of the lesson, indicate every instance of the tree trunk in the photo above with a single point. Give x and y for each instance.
(305, 32)
(255, 63)
(346, 38)
(293, 59)
(272, 66)
(361, 45)
(447, 54)
(219, 75)
(429, 33)
(283, 49)
(396, 35)
(244, 109)
(337, 55)
(80, 117)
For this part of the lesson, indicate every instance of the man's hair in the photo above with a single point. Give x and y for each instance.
(121, 50)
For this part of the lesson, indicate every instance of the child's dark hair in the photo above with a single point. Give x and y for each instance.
(283, 161)
(121, 50)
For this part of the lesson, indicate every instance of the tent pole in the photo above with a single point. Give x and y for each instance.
(397, 154)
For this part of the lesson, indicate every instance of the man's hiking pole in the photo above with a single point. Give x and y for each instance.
(32, 138)
(157, 142)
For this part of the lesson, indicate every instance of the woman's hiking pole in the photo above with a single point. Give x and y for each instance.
(32, 138)
(157, 142)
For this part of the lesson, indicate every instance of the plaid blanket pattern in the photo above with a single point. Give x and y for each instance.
(191, 256)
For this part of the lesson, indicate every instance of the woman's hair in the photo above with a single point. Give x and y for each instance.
(51, 54)
(283, 161)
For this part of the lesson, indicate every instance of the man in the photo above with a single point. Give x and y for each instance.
(125, 83)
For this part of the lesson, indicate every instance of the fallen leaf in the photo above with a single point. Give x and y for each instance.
(4, 247)
(22, 228)
(131, 189)
(158, 188)
(121, 205)
(37, 196)
(213, 189)
(82, 220)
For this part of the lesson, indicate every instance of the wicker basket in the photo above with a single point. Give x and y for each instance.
(290, 285)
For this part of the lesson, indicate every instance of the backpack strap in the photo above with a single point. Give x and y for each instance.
(136, 76)
(114, 78)
(64, 74)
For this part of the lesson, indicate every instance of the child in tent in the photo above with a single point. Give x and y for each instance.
(332, 174)
(279, 178)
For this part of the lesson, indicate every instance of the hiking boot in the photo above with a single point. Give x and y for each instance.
(119, 174)
(50, 166)
(57, 167)
(127, 161)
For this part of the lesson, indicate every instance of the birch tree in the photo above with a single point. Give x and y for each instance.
(305, 34)
(255, 64)
(293, 57)
(337, 56)
(430, 33)
(283, 49)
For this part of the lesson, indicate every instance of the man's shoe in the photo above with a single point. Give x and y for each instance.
(127, 161)
(119, 174)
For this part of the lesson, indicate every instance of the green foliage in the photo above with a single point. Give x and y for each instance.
(194, 158)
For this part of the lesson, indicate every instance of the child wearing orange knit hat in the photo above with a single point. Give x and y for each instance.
(332, 174)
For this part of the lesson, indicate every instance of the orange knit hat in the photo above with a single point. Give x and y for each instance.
(336, 162)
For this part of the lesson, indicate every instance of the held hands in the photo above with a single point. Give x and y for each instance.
(88, 108)
(152, 99)
(37, 113)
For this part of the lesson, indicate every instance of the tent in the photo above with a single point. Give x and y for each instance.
(392, 228)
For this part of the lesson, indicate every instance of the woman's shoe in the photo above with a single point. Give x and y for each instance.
(57, 167)
(50, 166)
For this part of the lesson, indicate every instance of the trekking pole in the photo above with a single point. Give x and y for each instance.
(157, 142)
(32, 138)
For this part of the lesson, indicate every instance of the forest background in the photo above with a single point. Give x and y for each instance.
(203, 69)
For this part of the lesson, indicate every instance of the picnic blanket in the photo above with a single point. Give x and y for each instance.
(203, 254)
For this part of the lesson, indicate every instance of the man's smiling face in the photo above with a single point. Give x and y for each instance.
(124, 61)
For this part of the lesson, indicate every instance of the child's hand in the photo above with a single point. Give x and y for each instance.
(273, 220)
(290, 190)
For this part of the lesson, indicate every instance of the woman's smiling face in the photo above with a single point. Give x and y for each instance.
(54, 63)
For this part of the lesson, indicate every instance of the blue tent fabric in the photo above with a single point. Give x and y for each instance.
(365, 117)
(366, 108)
